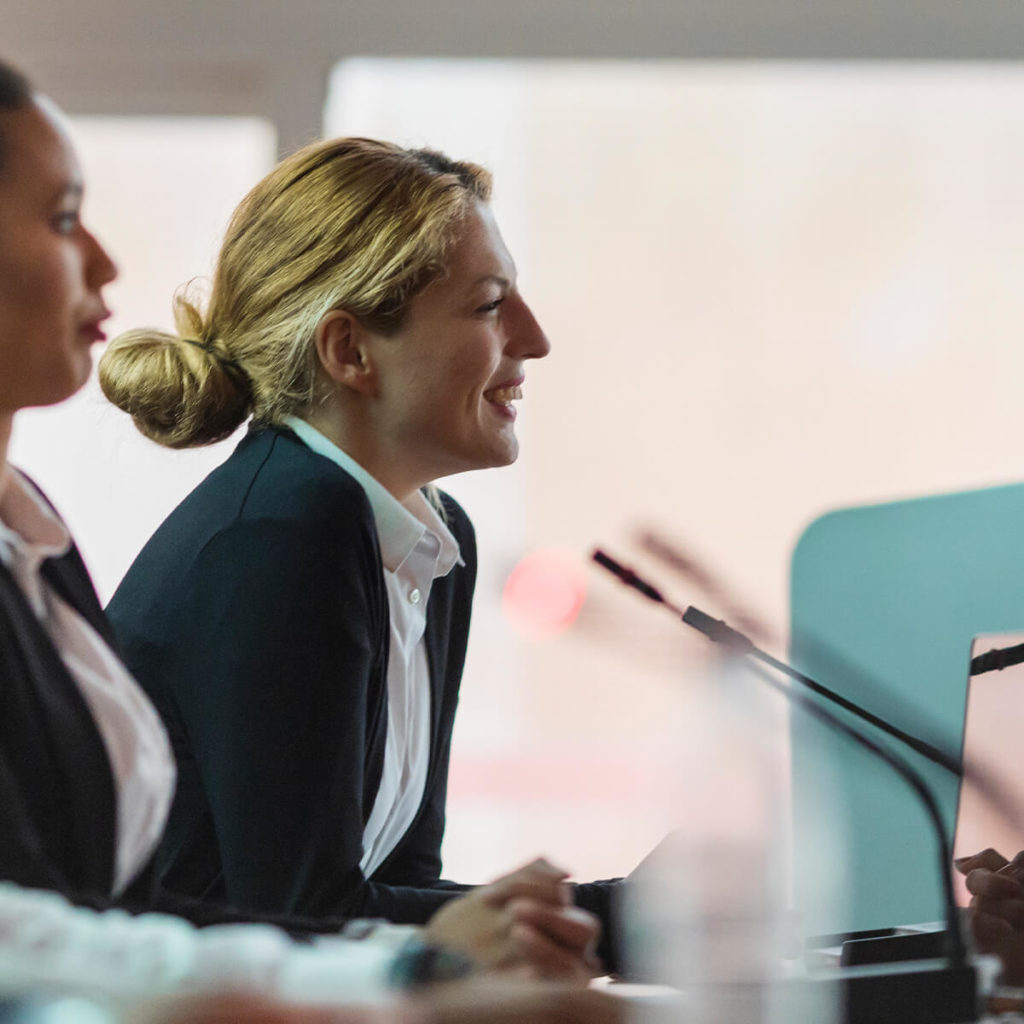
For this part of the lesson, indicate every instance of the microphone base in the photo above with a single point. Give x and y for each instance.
(911, 992)
(886, 949)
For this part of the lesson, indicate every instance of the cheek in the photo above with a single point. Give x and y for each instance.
(37, 289)
(42, 360)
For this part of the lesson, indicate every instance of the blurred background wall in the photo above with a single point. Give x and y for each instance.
(778, 248)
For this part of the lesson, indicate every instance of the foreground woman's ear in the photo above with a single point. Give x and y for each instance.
(343, 351)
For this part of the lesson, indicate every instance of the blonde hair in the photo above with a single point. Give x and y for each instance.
(349, 224)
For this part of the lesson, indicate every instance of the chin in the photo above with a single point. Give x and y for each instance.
(507, 459)
(503, 454)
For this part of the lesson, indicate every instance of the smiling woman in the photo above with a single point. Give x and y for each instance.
(301, 619)
(441, 387)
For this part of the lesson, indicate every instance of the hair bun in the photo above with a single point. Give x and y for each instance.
(180, 392)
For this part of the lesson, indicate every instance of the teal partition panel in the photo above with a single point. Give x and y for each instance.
(886, 600)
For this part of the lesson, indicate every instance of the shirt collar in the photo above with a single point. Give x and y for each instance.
(400, 525)
(27, 523)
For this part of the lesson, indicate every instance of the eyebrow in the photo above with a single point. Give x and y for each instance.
(497, 278)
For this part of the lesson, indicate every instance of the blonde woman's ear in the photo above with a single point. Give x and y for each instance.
(343, 352)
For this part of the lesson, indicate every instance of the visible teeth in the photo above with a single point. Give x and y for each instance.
(505, 395)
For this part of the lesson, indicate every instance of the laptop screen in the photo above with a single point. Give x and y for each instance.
(993, 747)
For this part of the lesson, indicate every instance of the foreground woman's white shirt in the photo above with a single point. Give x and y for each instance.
(137, 747)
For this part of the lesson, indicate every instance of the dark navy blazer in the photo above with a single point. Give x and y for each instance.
(256, 618)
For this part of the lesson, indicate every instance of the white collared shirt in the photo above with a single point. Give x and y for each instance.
(136, 743)
(416, 548)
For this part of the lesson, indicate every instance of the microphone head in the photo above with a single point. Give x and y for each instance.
(627, 576)
(716, 630)
(607, 562)
(702, 622)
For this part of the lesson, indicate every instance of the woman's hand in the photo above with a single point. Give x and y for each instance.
(524, 921)
(996, 916)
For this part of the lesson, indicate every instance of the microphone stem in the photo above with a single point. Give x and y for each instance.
(957, 950)
(720, 632)
(925, 749)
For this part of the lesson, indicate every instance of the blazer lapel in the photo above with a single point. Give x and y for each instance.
(51, 721)
(436, 640)
(70, 579)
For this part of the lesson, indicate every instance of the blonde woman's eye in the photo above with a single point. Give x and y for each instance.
(490, 307)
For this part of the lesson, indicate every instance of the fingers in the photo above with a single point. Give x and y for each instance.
(571, 927)
(544, 957)
(989, 860)
(989, 928)
(994, 885)
(523, 921)
(539, 866)
(1011, 911)
(540, 869)
(539, 881)
(1015, 868)
(994, 934)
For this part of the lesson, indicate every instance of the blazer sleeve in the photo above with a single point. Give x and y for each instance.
(270, 659)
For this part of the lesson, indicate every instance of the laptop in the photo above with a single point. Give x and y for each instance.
(990, 802)
(990, 809)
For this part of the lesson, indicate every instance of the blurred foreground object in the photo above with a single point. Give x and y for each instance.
(709, 913)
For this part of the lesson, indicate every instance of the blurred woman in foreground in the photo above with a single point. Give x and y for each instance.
(86, 772)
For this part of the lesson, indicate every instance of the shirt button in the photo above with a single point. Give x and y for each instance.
(414, 596)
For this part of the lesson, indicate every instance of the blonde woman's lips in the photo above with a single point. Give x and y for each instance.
(506, 394)
(501, 399)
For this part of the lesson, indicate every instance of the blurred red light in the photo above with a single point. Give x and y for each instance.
(545, 592)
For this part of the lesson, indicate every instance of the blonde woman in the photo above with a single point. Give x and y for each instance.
(86, 769)
(300, 620)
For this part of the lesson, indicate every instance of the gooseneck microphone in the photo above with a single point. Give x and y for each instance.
(721, 633)
(905, 995)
